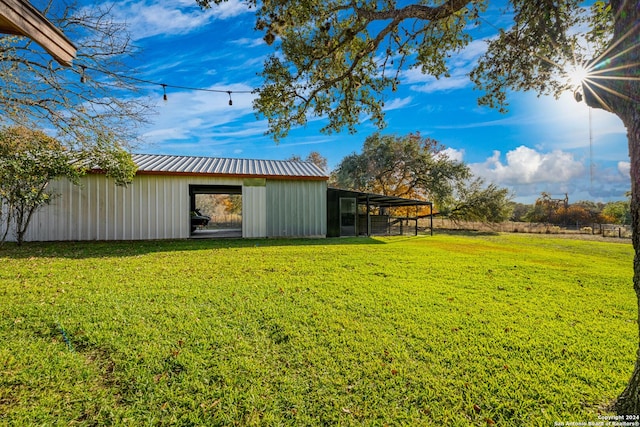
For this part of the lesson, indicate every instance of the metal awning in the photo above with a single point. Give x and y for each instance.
(380, 200)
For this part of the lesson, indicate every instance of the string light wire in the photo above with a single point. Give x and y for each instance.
(164, 86)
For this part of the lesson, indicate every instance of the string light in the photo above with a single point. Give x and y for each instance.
(163, 85)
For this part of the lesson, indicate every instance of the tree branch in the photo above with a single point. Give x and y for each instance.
(414, 11)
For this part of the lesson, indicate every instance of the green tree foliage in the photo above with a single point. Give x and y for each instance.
(341, 59)
(545, 208)
(216, 205)
(29, 161)
(477, 202)
(575, 215)
(405, 166)
(336, 58)
(618, 212)
(560, 212)
(313, 157)
(518, 211)
(115, 162)
(233, 204)
(82, 106)
(594, 210)
(415, 167)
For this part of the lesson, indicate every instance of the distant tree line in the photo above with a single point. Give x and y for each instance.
(561, 212)
(415, 167)
(219, 204)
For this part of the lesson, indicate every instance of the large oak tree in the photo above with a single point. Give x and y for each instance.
(338, 59)
(419, 168)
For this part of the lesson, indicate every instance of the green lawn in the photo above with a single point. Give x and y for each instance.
(443, 330)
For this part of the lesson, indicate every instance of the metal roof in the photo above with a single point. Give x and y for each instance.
(193, 165)
(379, 199)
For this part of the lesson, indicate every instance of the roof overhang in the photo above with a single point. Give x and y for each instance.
(379, 199)
(231, 175)
(221, 175)
(20, 18)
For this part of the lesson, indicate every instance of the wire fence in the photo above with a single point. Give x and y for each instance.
(594, 229)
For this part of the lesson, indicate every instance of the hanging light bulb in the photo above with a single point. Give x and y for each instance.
(164, 92)
(230, 100)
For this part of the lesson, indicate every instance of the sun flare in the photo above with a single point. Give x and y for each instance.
(577, 75)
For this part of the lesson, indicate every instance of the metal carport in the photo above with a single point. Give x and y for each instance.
(335, 218)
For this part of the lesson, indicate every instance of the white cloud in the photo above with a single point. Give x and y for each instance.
(203, 116)
(227, 9)
(166, 134)
(625, 169)
(453, 154)
(528, 166)
(615, 174)
(473, 50)
(397, 103)
(149, 18)
(528, 172)
(460, 66)
(509, 121)
(249, 42)
(431, 84)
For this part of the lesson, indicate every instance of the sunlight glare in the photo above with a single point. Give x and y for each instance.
(577, 75)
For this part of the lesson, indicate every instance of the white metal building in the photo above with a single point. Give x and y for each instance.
(279, 199)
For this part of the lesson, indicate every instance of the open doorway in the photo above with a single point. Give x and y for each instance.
(216, 211)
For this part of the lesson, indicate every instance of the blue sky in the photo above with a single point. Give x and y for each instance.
(542, 144)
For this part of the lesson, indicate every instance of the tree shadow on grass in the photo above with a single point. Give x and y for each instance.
(115, 249)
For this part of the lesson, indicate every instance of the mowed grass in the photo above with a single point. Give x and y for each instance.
(442, 330)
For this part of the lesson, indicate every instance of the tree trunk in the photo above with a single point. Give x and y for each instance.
(629, 401)
(614, 85)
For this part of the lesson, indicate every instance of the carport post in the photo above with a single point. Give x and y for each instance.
(368, 218)
(431, 217)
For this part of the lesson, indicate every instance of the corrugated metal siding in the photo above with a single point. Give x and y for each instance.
(254, 212)
(152, 207)
(157, 207)
(296, 208)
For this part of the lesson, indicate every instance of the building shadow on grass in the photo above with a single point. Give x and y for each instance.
(470, 233)
(111, 249)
